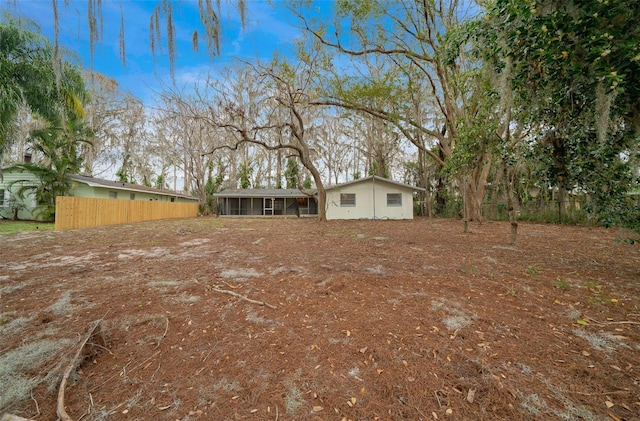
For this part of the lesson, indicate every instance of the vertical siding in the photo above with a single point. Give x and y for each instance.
(83, 212)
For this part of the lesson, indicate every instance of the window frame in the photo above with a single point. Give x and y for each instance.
(394, 203)
(346, 200)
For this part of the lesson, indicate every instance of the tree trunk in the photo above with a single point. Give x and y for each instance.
(561, 194)
(508, 184)
(317, 178)
(494, 195)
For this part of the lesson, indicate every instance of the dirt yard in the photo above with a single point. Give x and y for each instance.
(352, 320)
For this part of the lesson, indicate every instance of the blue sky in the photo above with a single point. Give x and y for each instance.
(268, 28)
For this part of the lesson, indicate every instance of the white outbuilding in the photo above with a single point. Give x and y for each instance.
(372, 197)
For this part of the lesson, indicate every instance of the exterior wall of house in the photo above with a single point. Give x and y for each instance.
(371, 201)
(79, 189)
(13, 180)
(10, 185)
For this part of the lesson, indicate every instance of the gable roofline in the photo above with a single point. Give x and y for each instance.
(376, 178)
(118, 185)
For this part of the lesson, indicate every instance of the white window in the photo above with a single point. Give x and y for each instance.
(394, 199)
(113, 195)
(2, 199)
(132, 196)
(347, 199)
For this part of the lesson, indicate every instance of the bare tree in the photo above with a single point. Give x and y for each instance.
(118, 122)
(284, 106)
(410, 41)
(186, 139)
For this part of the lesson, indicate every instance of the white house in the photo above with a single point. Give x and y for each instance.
(372, 197)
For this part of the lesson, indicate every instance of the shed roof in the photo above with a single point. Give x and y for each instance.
(272, 193)
(376, 178)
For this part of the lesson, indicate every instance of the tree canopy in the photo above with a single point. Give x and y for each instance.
(30, 77)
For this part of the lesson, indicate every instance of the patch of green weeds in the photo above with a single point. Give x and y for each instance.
(14, 227)
(628, 240)
(560, 284)
(532, 270)
(598, 293)
(4, 320)
(512, 292)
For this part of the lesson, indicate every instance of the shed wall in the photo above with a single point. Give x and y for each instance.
(371, 202)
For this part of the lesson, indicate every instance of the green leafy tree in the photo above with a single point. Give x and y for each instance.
(160, 182)
(410, 76)
(122, 175)
(59, 152)
(307, 181)
(292, 173)
(244, 174)
(576, 85)
(53, 90)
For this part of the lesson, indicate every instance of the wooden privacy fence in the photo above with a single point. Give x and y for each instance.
(83, 212)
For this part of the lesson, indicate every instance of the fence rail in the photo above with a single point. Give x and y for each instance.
(83, 212)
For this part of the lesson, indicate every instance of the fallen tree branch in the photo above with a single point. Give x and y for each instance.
(166, 329)
(623, 322)
(37, 407)
(62, 414)
(242, 297)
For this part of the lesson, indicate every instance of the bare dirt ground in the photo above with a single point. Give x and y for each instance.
(372, 320)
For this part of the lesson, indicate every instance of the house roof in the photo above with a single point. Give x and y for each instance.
(293, 193)
(375, 178)
(274, 193)
(117, 185)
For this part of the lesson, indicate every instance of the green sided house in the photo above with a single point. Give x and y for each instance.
(15, 179)
(368, 198)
